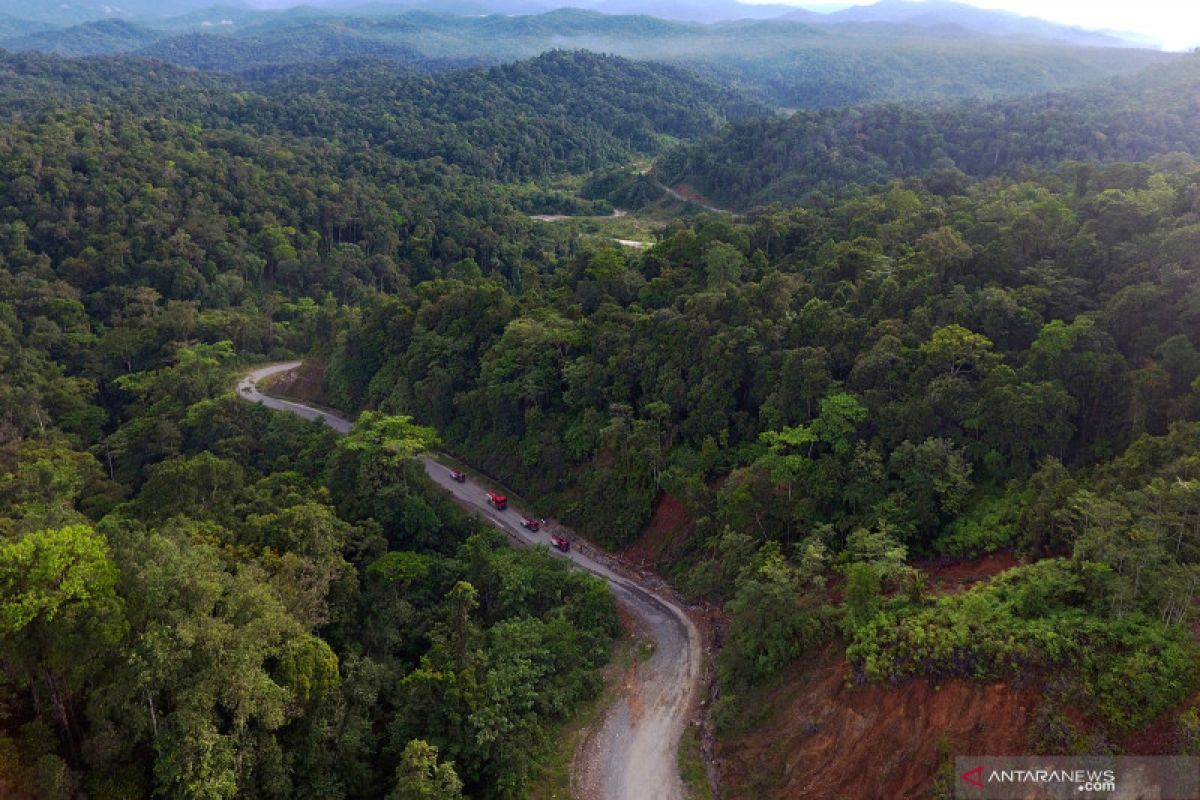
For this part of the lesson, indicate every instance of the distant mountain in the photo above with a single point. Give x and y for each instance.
(73, 12)
(234, 14)
(105, 37)
(226, 18)
(787, 63)
(687, 10)
(691, 10)
(325, 41)
(14, 26)
(934, 13)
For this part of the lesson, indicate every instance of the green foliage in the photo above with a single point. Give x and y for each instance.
(420, 777)
(777, 614)
(391, 438)
(862, 598)
(832, 150)
(1044, 617)
(52, 572)
(785, 62)
(202, 598)
(400, 567)
(1188, 732)
(989, 525)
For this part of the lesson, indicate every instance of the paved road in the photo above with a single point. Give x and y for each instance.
(631, 754)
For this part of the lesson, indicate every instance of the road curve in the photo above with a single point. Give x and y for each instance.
(631, 754)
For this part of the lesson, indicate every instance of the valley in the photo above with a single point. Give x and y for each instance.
(496, 400)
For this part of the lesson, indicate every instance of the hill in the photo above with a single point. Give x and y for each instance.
(105, 37)
(14, 26)
(74, 12)
(561, 112)
(934, 445)
(784, 63)
(772, 160)
(935, 13)
(324, 41)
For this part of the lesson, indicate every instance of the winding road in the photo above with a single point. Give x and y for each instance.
(631, 753)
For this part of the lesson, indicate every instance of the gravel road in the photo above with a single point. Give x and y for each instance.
(631, 753)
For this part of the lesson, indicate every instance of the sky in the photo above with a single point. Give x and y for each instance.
(1174, 23)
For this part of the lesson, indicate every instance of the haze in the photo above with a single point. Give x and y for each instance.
(1175, 25)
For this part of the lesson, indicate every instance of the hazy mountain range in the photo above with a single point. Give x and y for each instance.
(18, 17)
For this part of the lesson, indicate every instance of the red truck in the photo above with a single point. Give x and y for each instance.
(497, 500)
(561, 542)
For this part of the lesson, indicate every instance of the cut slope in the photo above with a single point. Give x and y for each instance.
(817, 738)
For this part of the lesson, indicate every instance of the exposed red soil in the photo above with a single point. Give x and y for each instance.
(691, 194)
(952, 574)
(304, 383)
(668, 529)
(817, 738)
(1158, 739)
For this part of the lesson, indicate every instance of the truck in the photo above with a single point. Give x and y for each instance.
(497, 500)
(560, 542)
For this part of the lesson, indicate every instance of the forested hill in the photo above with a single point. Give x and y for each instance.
(293, 45)
(92, 39)
(563, 110)
(770, 160)
(782, 62)
(560, 112)
(32, 83)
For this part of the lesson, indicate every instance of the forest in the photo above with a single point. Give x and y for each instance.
(765, 161)
(938, 350)
(781, 62)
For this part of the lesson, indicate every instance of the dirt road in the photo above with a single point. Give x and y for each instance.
(631, 754)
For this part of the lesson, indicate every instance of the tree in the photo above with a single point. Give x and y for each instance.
(934, 478)
(203, 485)
(863, 595)
(393, 439)
(956, 351)
(777, 614)
(58, 599)
(419, 776)
(723, 265)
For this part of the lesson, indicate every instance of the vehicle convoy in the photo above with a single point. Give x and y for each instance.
(628, 755)
(497, 500)
(458, 476)
(530, 523)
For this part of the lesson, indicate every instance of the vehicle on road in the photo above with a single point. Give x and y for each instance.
(560, 542)
(497, 500)
(458, 476)
(530, 523)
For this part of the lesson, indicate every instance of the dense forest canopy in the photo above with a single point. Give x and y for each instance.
(781, 62)
(768, 160)
(561, 112)
(303, 614)
(937, 355)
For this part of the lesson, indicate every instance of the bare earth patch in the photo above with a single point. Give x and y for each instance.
(816, 738)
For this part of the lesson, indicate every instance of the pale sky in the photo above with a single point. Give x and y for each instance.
(1174, 23)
